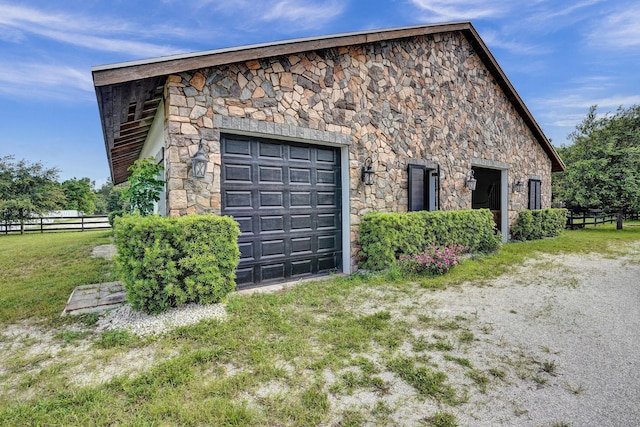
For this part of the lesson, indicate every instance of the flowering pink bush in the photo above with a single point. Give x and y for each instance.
(435, 260)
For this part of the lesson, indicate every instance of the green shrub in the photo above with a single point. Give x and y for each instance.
(385, 236)
(113, 215)
(165, 262)
(538, 224)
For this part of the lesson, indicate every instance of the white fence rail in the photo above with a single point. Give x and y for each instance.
(61, 223)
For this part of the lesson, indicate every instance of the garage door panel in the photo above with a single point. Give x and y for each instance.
(239, 199)
(327, 243)
(328, 263)
(237, 147)
(299, 153)
(326, 177)
(299, 176)
(245, 276)
(327, 198)
(300, 199)
(271, 199)
(271, 174)
(301, 245)
(246, 224)
(301, 222)
(266, 149)
(301, 268)
(286, 197)
(328, 221)
(237, 173)
(271, 248)
(247, 251)
(326, 155)
(271, 272)
(271, 224)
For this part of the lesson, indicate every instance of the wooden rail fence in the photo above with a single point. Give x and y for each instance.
(61, 223)
(593, 217)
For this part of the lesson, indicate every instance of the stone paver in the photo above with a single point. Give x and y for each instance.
(95, 298)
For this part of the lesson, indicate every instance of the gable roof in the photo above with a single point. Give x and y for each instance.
(129, 93)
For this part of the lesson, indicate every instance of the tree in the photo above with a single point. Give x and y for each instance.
(144, 186)
(603, 164)
(27, 189)
(79, 195)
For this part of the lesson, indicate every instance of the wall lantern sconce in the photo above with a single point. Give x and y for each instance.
(199, 162)
(518, 186)
(367, 175)
(470, 182)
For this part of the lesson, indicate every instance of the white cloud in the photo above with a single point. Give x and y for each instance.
(584, 101)
(75, 29)
(44, 80)
(560, 115)
(619, 30)
(304, 13)
(495, 40)
(301, 14)
(106, 44)
(566, 13)
(449, 10)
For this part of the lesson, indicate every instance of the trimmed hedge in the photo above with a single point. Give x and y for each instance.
(165, 262)
(113, 215)
(385, 236)
(538, 224)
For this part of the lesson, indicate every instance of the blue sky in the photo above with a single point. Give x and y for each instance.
(561, 56)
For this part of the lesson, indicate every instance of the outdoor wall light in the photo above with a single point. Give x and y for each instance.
(470, 182)
(367, 175)
(518, 186)
(199, 162)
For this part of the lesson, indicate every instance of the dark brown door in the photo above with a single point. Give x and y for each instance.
(286, 197)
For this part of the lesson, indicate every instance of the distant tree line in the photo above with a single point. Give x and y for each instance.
(603, 164)
(29, 188)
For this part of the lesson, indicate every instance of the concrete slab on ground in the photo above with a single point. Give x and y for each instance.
(95, 298)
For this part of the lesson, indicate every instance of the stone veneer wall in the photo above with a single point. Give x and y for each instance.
(426, 98)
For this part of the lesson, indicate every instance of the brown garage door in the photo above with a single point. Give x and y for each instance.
(286, 197)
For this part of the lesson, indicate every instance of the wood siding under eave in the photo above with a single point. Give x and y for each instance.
(128, 110)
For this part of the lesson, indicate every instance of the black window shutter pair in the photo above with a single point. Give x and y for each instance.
(535, 186)
(419, 190)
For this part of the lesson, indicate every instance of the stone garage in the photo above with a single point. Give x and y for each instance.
(303, 137)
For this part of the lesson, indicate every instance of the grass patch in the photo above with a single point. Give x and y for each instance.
(479, 379)
(427, 382)
(39, 271)
(442, 419)
(604, 239)
(549, 366)
(458, 360)
(466, 337)
(497, 373)
(114, 338)
(72, 336)
(275, 359)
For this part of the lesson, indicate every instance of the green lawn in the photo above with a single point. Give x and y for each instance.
(287, 358)
(39, 271)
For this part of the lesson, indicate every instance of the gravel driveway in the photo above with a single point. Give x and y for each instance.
(565, 330)
(576, 316)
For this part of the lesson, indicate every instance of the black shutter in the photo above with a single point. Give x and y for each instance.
(535, 187)
(437, 189)
(418, 187)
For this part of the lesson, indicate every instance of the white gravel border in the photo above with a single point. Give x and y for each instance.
(143, 324)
